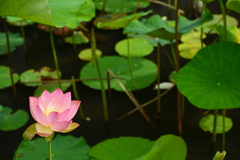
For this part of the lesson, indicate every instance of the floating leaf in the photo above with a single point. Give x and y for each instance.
(30, 75)
(63, 148)
(138, 47)
(14, 39)
(86, 54)
(116, 6)
(217, 20)
(172, 76)
(233, 33)
(121, 148)
(115, 21)
(50, 12)
(167, 147)
(143, 70)
(233, 5)
(220, 156)
(210, 79)
(5, 77)
(46, 73)
(191, 44)
(79, 38)
(206, 123)
(85, 13)
(51, 87)
(164, 85)
(12, 121)
(18, 21)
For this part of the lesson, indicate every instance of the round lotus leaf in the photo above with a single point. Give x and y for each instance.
(5, 78)
(63, 148)
(78, 38)
(12, 121)
(206, 123)
(210, 79)
(144, 72)
(138, 47)
(121, 148)
(86, 54)
(30, 75)
(115, 6)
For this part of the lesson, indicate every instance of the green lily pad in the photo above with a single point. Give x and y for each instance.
(63, 148)
(51, 87)
(138, 47)
(121, 148)
(167, 147)
(18, 21)
(206, 123)
(30, 75)
(233, 33)
(210, 79)
(86, 54)
(12, 121)
(15, 40)
(5, 77)
(115, 6)
(85, 13)
(79, 38)
(144, 72)
(46, 73)
(233, 5)
(50, 12)
(115, 21)
(172, 76)
(191, 44)
(217, 20)
(220, 156)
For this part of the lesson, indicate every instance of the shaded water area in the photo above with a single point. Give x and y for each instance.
(39, 54)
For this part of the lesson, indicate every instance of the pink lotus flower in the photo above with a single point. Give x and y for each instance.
(53, 113)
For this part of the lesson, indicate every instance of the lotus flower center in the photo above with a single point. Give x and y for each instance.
(49, 111)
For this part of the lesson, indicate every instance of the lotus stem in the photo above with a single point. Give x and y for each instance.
(136, 8)
(50, 150)
(104, 100)
(55, 56)
(223, 127)
(201, 34)
(214, 126)
(77, 97)
(73, 38)
(183, 105)
(23, 35)
(158, 79)
(10, 60)
(130, 64)
(173, 54)
(123, 7)
(224, 20)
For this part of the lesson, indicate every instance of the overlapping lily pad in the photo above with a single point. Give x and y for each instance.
(116, 6)
(14, 39)
(5, 78)
(79, 38)
(86, 54)
(233, 33)
(12, 121)
(138, 47)
(50, 12)
(18, 21)
(210, 79)
(121, 148)
(143, 70)
(63, 148)
(206, 123)
(233, 5)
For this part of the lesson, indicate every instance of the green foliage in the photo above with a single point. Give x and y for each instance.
(123, 148)
(18, 21)
(167, 147)
(30, 75)
(116, 6)
(79, 38)
(210, 79)
(5, 77)
(138, 47)
(206, 123)
(14, 39)
(220, 156)
(86, 54)
(50, 12)
(233, 5)
(12, 120)
(63, 148)
(233, 33)
(144, 72)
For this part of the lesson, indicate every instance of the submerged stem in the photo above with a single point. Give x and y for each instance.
(55, 57)
(23, 35)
